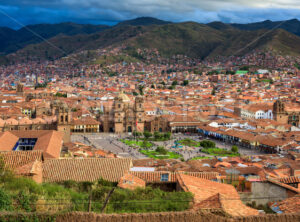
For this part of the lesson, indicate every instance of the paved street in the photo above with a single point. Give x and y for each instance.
(108, 142)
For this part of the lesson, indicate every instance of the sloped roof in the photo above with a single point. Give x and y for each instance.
(111, 169)
(29, 169)
(16, 159)
(49, 141)
(156, 176)
(129, 181)
(223, 195)
(7, 141)
(289, 205)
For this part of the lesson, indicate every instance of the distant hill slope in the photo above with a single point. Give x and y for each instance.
(192, 39)
(292, 25)
(143, 21)
(12, 40)
(188, 38)
(63, 45)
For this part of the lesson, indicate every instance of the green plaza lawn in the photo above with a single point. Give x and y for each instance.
(201, 158)
(139, 143)
(155, 155)
(219, 152)
(189, 142)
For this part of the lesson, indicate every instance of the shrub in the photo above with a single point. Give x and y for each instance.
(5, 200)
(54, 190)
(85, 186)
(103, 182)
(25, 201)
(69, 184)
(22, 183)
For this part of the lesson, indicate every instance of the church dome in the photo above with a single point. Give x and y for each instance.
(123, 97)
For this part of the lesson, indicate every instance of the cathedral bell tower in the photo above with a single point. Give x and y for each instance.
(63, 115)
(119, 114)
(279, 112)
(139, 113)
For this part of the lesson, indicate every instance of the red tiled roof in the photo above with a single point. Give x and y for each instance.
(16, 159)
(156, 176)
(289, 205)
(129, 181)
(49, 141)
(222, 195)
(293, 189)
(291, 179)
(91, 169)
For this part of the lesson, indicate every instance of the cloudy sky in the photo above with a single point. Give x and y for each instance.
(14, 13)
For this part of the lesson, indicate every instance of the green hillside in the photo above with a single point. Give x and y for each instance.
(192, 39)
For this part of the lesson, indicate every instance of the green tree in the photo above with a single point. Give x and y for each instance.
(157, 135)
(185, 82)
(207, 144)
(174, 83)
(137, 134)
(144, 144)
(147, 134)
(167, 135)
(213, 92)
(234, 149)
(161, 150)
(141, 89)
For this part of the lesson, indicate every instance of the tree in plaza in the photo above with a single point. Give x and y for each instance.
(144, 144)
(157, 135)
(234, 149)
(161, 150)
(147, 134)
(137, 134)
(207, 144)
(167, 135)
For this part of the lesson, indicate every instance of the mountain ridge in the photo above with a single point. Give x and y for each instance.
(189, 38)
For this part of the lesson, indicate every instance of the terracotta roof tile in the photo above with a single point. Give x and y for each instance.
(16, 159)
(129, 181)
(206, 191)
(92, 169)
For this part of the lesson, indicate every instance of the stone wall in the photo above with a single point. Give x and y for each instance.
(264, 192)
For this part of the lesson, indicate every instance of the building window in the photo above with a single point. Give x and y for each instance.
(66, 118)
(164, 177)
(119, 106)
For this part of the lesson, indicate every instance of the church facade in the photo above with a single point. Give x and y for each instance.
(125, 116)
(286, 114)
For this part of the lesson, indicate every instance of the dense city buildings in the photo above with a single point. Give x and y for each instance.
(109, 126)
